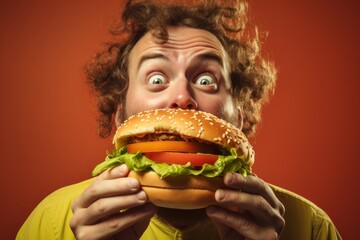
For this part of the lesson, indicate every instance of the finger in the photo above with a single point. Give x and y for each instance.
(241, 201)
(227, 233)
(106, 207)
(119, 222)
(259, 208)
(116, 172)
(242, 223)
(140, 227)
(136, 220)
(255, 185)
(106, 186)
(250, 184)
(224, 231)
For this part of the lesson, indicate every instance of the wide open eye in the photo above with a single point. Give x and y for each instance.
(157, 79)
(205, 80)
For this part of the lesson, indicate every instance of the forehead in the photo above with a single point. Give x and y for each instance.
(181, 41)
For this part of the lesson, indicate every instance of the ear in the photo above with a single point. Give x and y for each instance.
(119, 115)
(240, 117)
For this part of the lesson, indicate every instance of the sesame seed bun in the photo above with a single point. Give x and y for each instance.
(179, 192)
(188, 124)
(182, 191)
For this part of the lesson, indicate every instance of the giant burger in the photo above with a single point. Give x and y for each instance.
(179, 156)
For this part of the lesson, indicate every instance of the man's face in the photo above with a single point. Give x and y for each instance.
(191, 70)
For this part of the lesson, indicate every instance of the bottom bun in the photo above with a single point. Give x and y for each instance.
(180, 192)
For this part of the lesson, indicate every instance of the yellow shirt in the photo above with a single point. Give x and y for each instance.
(50, 220)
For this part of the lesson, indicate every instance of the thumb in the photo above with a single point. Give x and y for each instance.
(224, 231)
(140, 227)
(135, 231)
(212, 212)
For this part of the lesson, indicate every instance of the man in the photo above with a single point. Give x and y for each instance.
(179, 56)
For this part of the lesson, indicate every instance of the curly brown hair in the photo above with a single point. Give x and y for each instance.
(252, 77)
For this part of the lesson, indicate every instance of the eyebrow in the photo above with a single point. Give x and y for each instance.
(152, 56)
(204, 56)
(210, 56)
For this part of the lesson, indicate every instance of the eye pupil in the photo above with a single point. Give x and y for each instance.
(157, 81)
(204, 82)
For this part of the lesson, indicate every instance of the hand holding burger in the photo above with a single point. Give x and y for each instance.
(179, 156)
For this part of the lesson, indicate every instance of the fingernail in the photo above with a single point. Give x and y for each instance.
(142, 196)
(229, 177)
(133, 184)
(123, 169)
(220, 194)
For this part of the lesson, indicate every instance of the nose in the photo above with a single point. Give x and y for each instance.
(182, 97)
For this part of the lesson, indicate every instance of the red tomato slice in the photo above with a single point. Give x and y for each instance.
(182, 158)
(171, 146)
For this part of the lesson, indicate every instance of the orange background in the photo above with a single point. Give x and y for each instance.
(307, 141)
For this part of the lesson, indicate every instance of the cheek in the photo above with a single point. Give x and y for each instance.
(133, 100)
(141, 101)
(210, 103)
(220, 105)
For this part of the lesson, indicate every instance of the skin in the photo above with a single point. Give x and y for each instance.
(189, 71)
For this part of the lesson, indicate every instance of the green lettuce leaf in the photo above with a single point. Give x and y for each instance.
(138, 162)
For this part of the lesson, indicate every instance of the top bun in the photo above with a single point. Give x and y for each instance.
(193, 124)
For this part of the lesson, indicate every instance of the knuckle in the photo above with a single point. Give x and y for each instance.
(278, 222)
(79, 233)
(246, 225)
(76, 220)
(112, 222)
(104, 175)
(73, 222)
(263, 186)
(92, 190)
(277, 227)
(282, 209)
(100, 206)
(274, 235)
(74, 205)
(260, 202)
(281, 225)
(267, 233)
(83, 235)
